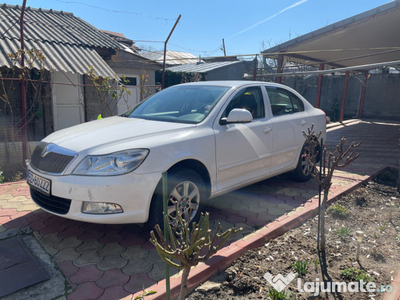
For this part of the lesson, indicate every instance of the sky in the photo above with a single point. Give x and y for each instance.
(247, 27)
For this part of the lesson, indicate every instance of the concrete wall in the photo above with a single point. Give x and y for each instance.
(382, 99)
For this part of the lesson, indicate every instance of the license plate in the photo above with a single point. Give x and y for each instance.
(39, 183)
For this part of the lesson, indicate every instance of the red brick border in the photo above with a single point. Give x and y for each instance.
(227, 255)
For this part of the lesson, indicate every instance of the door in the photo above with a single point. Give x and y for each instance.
(243, 150)
(68, 101)
(288, 121)
(131, 100)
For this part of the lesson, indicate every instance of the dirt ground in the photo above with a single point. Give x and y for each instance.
(374, 208)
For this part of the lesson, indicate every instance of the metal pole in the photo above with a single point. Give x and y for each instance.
(320, 190)
(166, 237)
(255, 68)
(278, 79)
(364, 88)
(22, 86)
(346, 83)
(165, 51)
(319, 87)
(223, 45)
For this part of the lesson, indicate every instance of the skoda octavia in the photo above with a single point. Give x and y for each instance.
(210, 138)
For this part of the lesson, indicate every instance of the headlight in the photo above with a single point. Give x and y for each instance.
(111, 164)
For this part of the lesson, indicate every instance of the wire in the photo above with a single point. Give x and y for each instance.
(16, 21)
(116, 11)
(204, 51)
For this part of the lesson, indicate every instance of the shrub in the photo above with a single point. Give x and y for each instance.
(354, 274)
(344, 232)
(275, 295)
(1, 176)
(301, 267)
(339, 211)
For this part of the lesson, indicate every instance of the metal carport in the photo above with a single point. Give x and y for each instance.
(357, 44)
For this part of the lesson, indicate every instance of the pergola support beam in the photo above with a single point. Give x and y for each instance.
(319, 87)
(278, 79)
(346, 84)
(363, 91)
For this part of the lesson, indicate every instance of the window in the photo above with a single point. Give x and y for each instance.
(182, 104)
(283, 102)
(251, 99)
(131, 81)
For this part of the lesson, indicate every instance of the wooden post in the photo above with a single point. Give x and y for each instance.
(346, 83)
(364, 88)
(278, 79)
(319, 87)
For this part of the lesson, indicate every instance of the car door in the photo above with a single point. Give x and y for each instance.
(289, 118)
(243, 149)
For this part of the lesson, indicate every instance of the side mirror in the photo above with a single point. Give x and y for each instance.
(237, 115)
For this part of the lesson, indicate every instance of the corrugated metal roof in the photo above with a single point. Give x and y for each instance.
(52, 26)
(371, 37)
(172, 57)
(66, 41)
(202, 68)
(59, 57)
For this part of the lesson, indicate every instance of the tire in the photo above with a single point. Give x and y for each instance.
(185, 187)
(302, 173)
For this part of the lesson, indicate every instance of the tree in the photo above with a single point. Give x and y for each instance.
(330, 162)
(189, 246)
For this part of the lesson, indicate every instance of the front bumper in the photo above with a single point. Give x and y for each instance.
(133, 192)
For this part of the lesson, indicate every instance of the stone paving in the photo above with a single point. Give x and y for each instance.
(114, 261)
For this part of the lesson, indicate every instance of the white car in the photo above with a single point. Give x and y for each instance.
(211, 138)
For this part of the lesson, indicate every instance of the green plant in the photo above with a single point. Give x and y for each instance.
(144, 91)
(376, 235)
(382, 227)
(109, 90)
(398, 239)
(338, 211)
(189, 246)
(344, 232)
(144, 294)
(275, 295)
(354, 274)
(301, 267)
(316, 262)
(17, 176)
(1, 176)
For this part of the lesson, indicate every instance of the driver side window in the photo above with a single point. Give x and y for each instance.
(250, 98)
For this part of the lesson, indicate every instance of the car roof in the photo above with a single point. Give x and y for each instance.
(234, 83)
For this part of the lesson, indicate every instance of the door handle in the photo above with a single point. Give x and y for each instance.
(303, 122)
(267, 130)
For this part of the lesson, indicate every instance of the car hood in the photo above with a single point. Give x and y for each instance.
(109, 131)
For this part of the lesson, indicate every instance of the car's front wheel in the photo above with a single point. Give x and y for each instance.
(186, 189)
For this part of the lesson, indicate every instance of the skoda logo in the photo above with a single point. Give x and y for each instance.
(44, 152)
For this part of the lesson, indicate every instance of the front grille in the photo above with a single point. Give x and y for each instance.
(51, 203)
(54, 161)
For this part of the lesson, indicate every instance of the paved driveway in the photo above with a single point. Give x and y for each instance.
(113, 261)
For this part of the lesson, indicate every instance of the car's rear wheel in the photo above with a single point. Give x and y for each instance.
(304, 167)
(186, 188)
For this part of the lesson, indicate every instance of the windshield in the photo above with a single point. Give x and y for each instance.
(182, 104)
